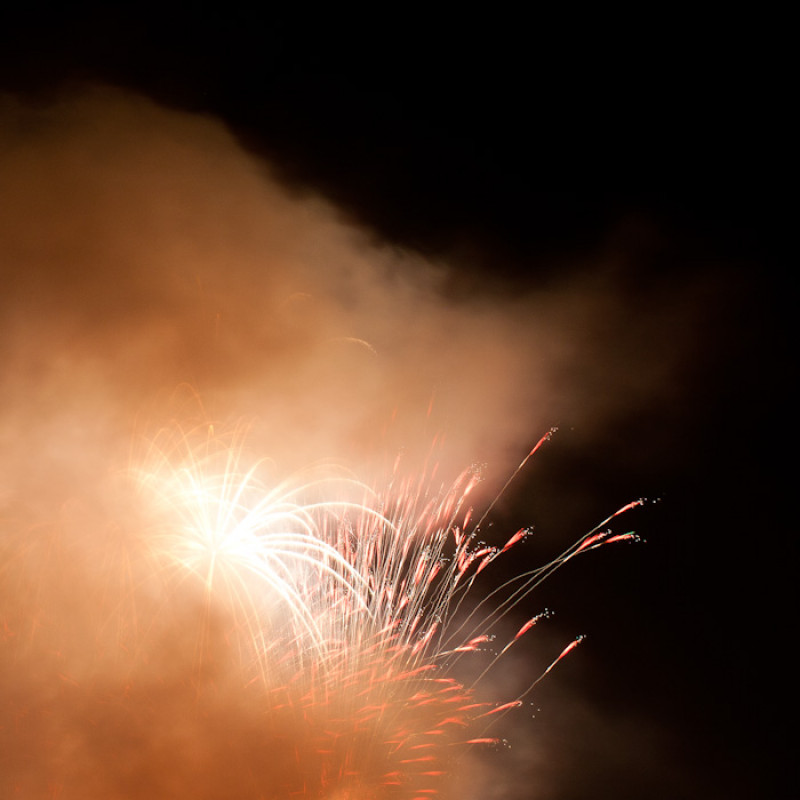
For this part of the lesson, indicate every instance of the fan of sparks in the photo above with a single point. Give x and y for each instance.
(347, 608)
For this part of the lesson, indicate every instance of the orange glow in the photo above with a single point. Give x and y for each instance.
(187, 608)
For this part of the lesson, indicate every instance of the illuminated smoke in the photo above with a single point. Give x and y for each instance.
(142, 249)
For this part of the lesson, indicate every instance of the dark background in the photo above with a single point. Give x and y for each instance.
(516, 145)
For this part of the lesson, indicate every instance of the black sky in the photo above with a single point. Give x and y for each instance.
(522, 150)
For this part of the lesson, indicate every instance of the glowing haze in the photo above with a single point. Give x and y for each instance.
(142, 250)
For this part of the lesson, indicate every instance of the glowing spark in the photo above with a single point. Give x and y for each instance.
(565, 652)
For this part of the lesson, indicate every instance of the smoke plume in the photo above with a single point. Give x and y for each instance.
(153, 269)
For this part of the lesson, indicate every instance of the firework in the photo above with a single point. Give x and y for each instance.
(346, 597)
(338, 613)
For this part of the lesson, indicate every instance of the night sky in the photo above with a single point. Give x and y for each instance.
(620, 187)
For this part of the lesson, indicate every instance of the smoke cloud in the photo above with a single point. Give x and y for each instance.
(142, 249)
(153, 269)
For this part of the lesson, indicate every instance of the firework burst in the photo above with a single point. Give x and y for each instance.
(334, 614)
(344, 599)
